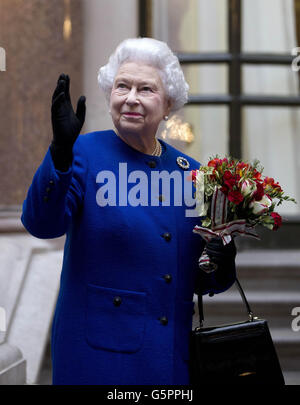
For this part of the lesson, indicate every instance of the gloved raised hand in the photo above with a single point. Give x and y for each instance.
(66, 124)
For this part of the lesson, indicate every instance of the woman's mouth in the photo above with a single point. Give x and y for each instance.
(132, 114)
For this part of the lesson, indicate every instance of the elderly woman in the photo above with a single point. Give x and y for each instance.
(130, 267)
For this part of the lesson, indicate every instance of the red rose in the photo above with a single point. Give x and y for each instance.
(259, 193)
(277, 220)
(235, 196)
(229, 179)
(224, 190)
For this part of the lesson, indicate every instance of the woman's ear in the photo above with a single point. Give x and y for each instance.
(169, 106)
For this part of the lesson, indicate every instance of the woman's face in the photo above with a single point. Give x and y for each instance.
(138, 100)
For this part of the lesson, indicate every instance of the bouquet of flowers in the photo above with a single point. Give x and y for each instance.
(234, 197)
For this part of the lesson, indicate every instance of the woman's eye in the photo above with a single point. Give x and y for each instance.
(121, 86)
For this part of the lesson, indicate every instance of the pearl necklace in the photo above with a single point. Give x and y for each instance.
(157, 150)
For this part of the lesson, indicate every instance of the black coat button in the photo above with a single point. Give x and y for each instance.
(117, 301)
(45, 198)
(51, 182)
(151, 164)
(163, 320)
(168, 278)
(48, 189)
(167, 236)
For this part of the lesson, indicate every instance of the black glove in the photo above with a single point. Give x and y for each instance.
(66, 124)
(220, 254)
(224, 275)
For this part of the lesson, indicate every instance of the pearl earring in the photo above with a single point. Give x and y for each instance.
(166, 117)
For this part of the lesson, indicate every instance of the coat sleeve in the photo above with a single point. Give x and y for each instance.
(54, 196)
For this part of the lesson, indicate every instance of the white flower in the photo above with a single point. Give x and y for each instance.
(248, 187)
(259, 207)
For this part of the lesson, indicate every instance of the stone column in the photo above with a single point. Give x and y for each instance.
(39, 45)
(40, 39)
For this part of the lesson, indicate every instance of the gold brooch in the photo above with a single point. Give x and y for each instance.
(182, 162)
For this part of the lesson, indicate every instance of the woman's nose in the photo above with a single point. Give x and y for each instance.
(132, 97)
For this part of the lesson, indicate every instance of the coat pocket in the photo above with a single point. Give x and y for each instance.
(115, 319)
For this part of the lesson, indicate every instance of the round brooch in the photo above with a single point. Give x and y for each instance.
(182, 162)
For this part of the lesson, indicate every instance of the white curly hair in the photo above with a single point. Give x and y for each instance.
(155, 53)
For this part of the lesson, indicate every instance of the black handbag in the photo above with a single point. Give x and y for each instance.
(238, 353)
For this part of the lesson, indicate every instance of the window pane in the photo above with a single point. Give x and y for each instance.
(191, 26)
(268, 26)
(270, 80)
(209, 126)
(206, 79)
(271, 135)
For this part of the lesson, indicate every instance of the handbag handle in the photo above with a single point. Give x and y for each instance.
(241, 291)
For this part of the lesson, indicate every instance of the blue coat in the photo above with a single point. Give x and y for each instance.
(125, 304)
